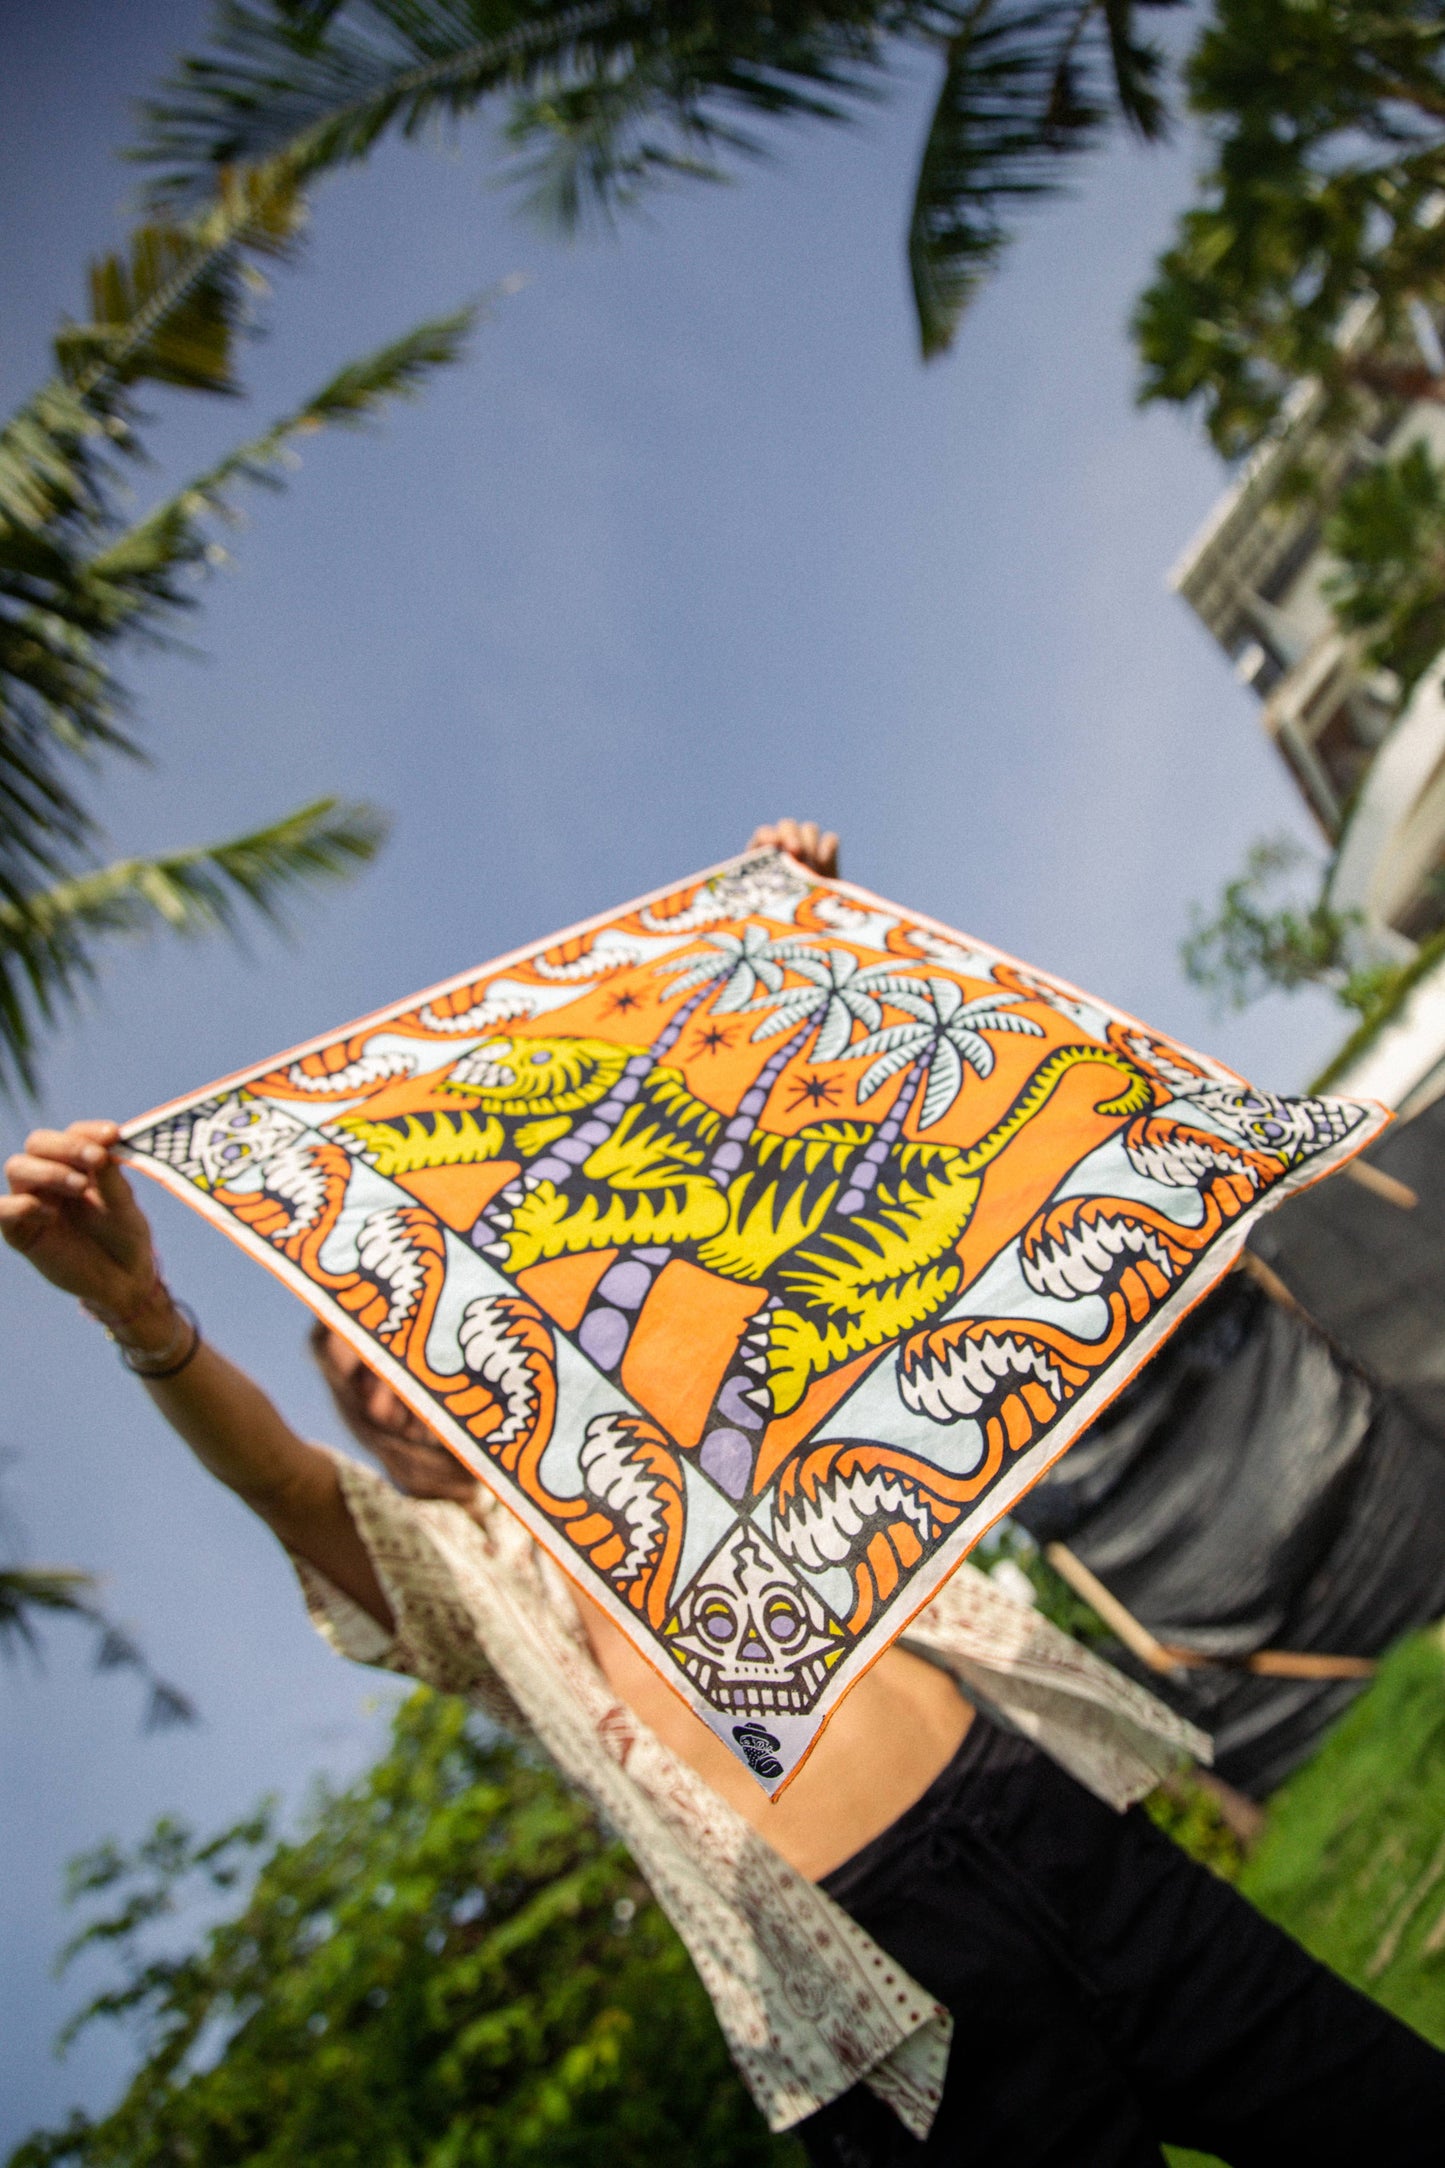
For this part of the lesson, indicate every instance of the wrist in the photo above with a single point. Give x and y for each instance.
(144, 1324)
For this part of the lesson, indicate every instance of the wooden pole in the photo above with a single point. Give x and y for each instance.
(1165, 1656)
(1381, 1184)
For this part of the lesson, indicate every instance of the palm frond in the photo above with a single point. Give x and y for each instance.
(896, 1047)
(603, 97)
(945, 1081)
(989, 1015)
(915, 998)
(595, 146)
(47, 939)
(785, 1011)
(1137, 69)
(1025, 89)
(167, 309)
(171, 308)
(64, 605)
(136, 570)
(839, 1018)
(24, 1590)
(321, 93)
(191, 342)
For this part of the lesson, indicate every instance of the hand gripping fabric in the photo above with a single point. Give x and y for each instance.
(759, 1244)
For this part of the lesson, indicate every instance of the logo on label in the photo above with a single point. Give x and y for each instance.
(759, 1749)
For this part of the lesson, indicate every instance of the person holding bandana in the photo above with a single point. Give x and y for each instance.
(956, 1938)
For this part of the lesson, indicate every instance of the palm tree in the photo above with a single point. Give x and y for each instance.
(836, 994)
(942, 1040)
(835, 984)
(76, 582)
(603, 100)
(735, 965)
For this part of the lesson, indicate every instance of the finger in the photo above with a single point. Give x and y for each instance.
(23, 1220)
(115, 1191)
(788, 840)
(96, 1141)
(828, 853)
(62, 1146)
(808, 840)
(28, 1173)
(764, 838)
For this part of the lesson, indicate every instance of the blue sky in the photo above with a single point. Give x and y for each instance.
(694, 540)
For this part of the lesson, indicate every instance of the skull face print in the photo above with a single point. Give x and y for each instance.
(238, 1135)
(750, 1634)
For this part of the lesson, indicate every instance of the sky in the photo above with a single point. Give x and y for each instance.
(692, 541)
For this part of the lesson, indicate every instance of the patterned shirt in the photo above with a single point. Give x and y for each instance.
(808, 2003)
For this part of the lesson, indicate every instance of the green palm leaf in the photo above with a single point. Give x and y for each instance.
(320, 93)
(70, 589)
(608, 96)
(66, 1590)
(135, 569)
(24, 1590)
(1025, 89)
(169, 309)
(47, 940)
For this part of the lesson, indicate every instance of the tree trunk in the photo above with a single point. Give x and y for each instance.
(871, 1161)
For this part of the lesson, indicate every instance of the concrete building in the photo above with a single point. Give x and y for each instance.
(1371, 772)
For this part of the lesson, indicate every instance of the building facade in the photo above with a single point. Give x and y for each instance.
(1370, 768)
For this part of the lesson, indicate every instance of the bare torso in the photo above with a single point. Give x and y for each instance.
(901, 1724)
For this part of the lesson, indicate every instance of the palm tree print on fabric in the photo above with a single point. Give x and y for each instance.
(941, 1041)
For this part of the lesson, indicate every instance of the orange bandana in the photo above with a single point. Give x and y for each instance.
(758, 1244)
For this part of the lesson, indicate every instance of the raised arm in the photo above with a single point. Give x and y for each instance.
(71, 1214)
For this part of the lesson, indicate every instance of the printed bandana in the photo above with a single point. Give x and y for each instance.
(759, 1244)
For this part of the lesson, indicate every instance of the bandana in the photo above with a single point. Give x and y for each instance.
(759, 1244)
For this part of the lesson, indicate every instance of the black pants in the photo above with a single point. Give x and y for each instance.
(1109, 1996)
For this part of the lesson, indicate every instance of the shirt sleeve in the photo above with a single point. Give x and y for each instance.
(1107, 1731)
(424, 1553)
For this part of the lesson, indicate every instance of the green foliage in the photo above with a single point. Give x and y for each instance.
(451, 1966)
(1388, 533)
(1191, 1815)
(1056, 1601)
(77, 582)
(1326, 120)
(1253, 946)
(1024, 91)
(46, 940)
(600, 102)
(1393, 991)
(1352, 1861)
